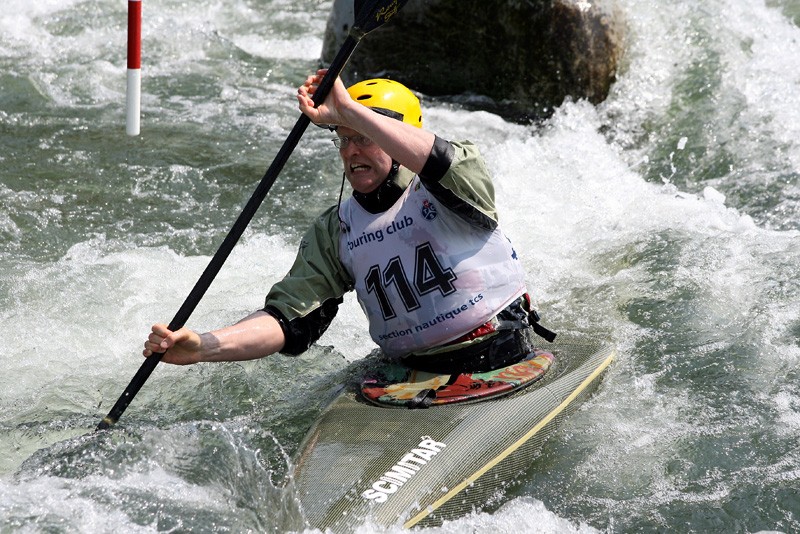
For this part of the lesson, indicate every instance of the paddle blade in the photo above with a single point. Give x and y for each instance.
(370, 14)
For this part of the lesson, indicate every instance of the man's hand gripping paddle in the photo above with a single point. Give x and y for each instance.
(369, 15)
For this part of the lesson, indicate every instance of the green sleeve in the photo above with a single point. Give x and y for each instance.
(466, 186)
(317, 275)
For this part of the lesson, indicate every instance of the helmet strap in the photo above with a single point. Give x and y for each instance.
(343, 225)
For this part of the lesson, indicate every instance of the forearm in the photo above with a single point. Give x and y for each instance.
(408, 145)
(255, 336)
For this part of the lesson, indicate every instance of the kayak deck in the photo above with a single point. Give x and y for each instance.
(396, 385)
(397, 466)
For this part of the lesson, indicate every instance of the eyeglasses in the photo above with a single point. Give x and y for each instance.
(341, 142)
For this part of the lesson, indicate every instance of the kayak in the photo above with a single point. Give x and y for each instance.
(393, 466)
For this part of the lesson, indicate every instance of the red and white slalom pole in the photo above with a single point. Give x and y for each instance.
(134, 91)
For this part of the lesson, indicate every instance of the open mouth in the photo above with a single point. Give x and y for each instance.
(359, 168)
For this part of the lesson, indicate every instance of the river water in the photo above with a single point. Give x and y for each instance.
(666, 220)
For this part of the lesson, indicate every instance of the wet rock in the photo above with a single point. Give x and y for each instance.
(519, 58)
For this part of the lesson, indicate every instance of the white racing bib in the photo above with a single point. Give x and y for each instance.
(423, 275)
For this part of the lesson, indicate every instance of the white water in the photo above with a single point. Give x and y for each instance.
(647, 220)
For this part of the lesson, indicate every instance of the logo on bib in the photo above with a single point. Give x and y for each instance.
(428, 210)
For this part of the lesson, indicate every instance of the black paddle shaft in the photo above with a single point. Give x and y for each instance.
(368, 16)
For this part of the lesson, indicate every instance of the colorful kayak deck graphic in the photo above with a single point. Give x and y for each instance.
(396, 385)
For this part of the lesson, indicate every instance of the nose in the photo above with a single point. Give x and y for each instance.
(349, 150)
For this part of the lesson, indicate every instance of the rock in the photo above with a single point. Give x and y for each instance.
(518, 58)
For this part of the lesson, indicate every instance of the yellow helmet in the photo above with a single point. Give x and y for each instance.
(389, 98)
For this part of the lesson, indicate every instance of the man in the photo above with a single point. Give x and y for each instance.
(418, 241)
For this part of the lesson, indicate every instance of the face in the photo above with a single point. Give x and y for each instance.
(366, 167)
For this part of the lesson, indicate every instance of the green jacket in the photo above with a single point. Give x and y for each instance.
(306, 300)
